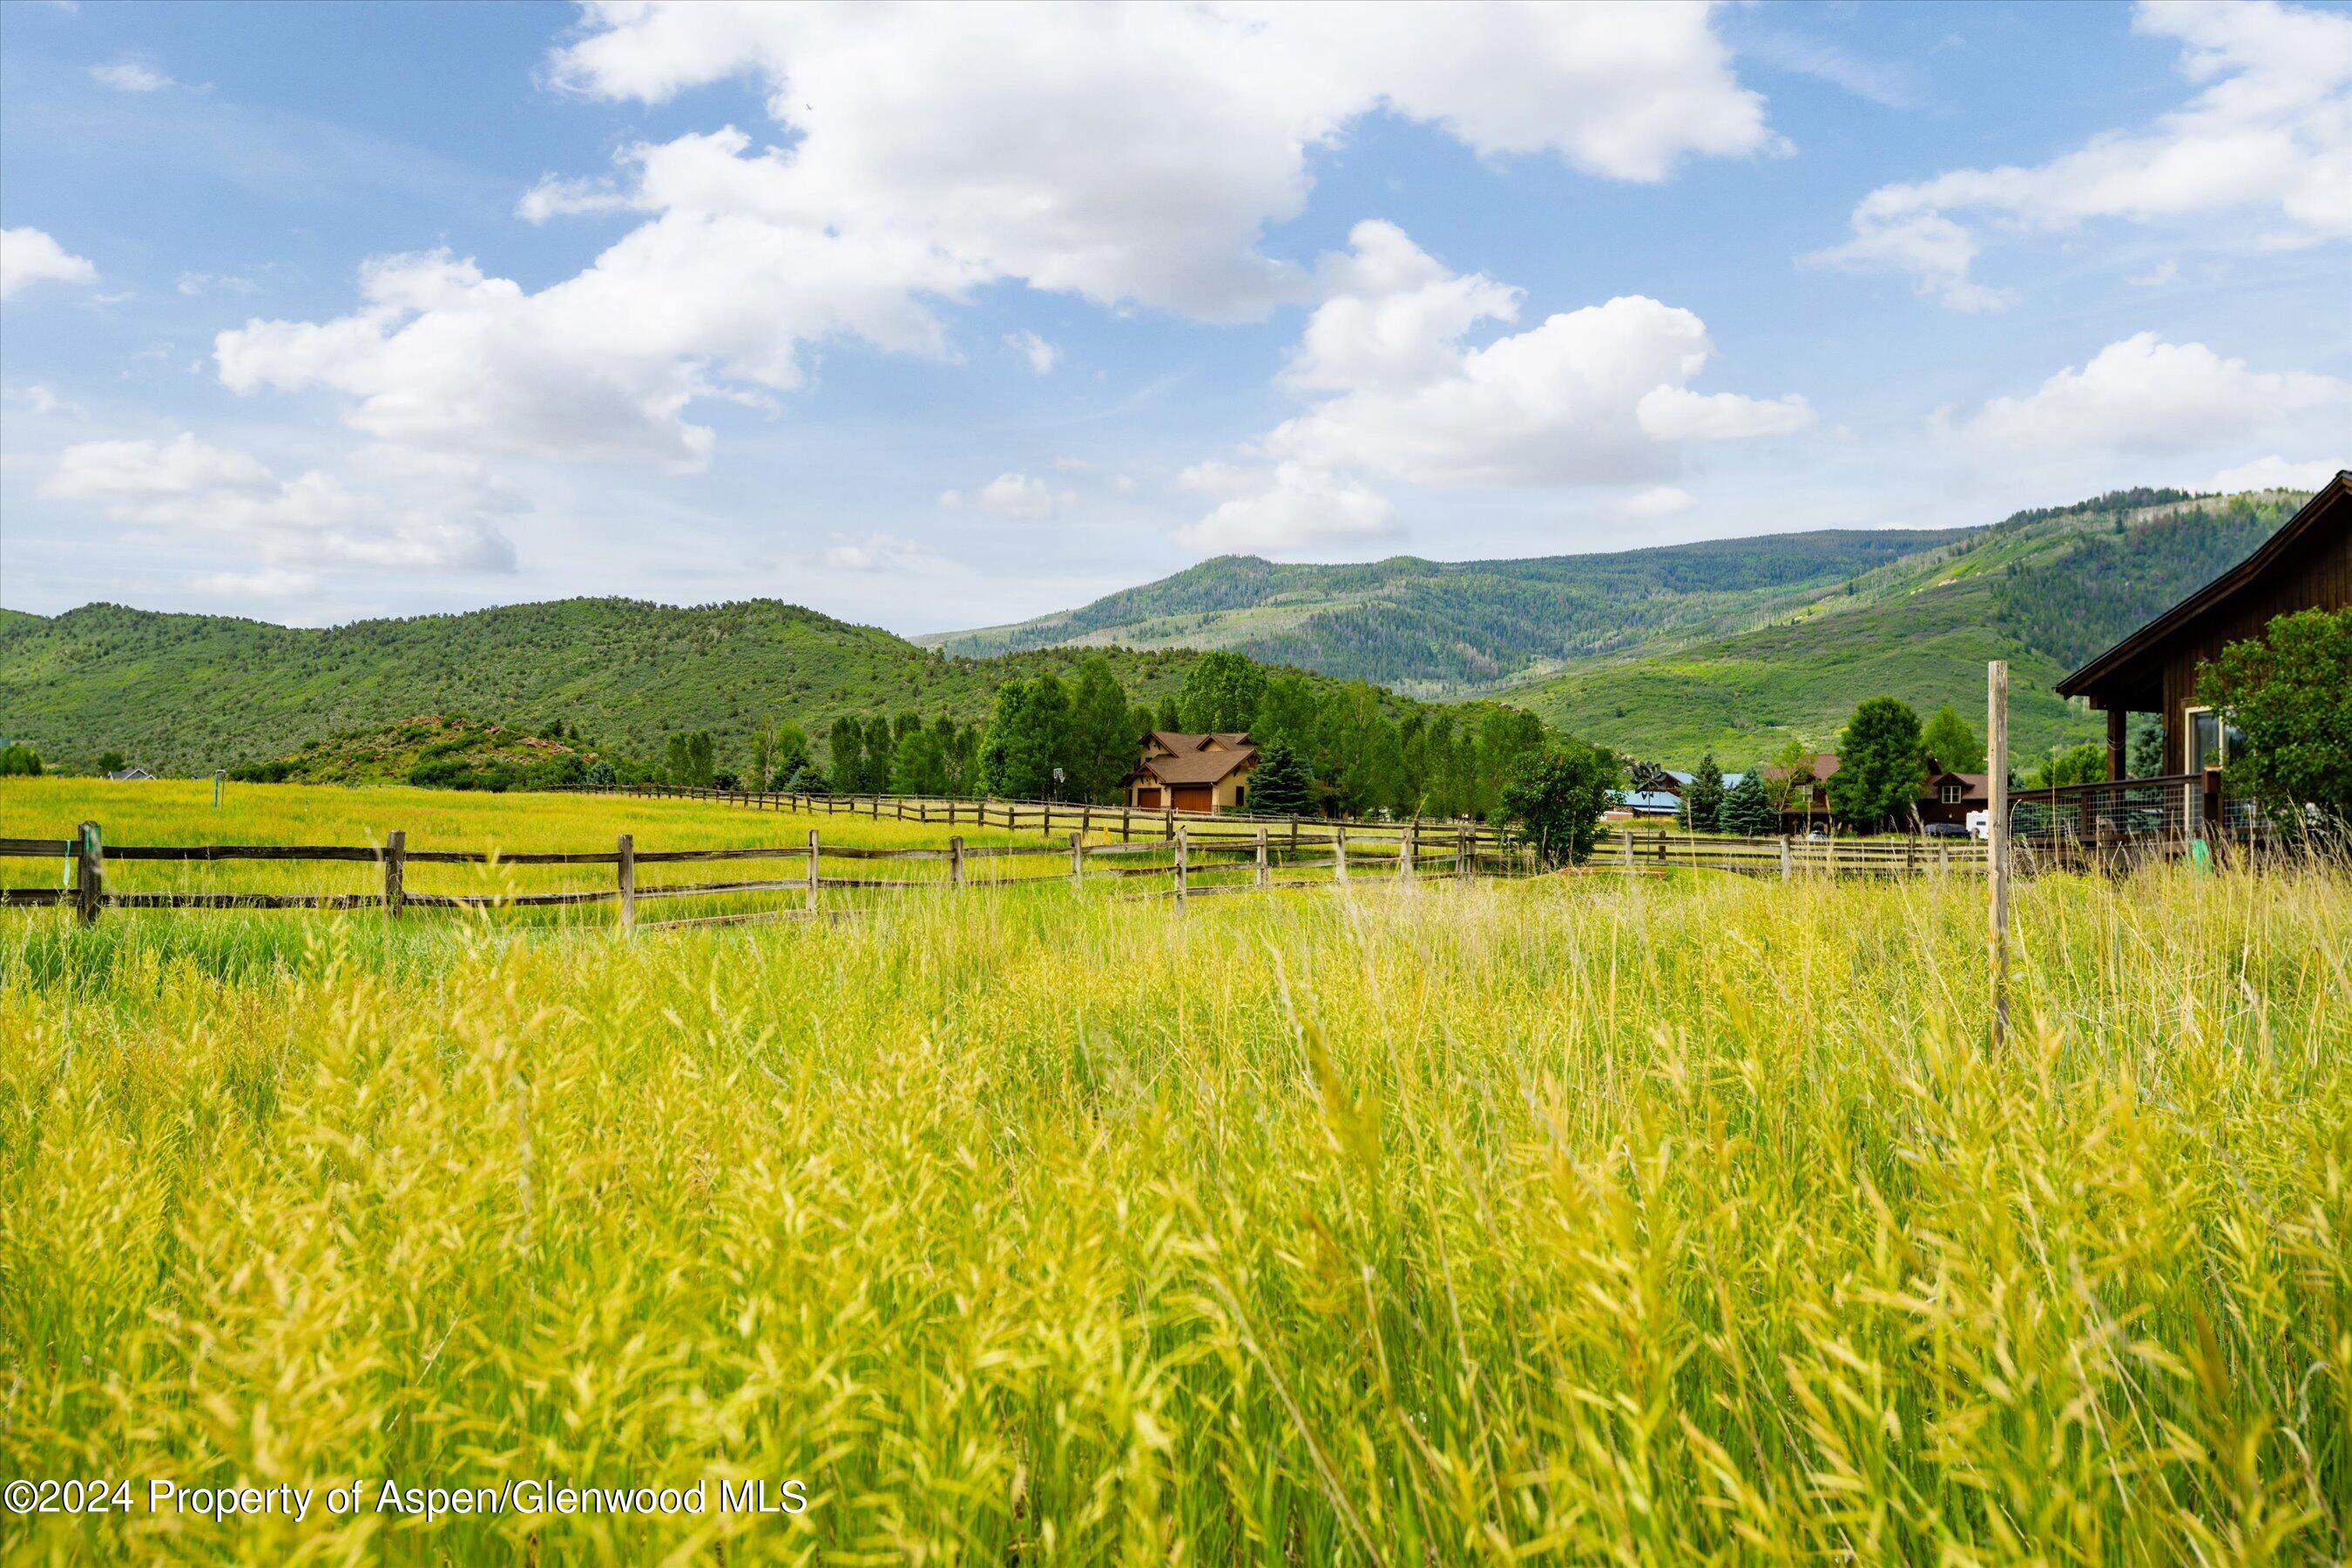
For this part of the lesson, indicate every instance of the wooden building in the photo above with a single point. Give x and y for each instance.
(2305, 565)
(1945, 797)
(1203, 773)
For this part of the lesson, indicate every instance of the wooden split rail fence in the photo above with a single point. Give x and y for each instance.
(1190, 866)
(1788, 857)
(1128, 824)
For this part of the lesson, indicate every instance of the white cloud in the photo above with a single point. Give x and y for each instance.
(1594, 395)
(1678, 414)
(195, 283)
(1013, 495)
(1293, 509)
(1658, 500)
(130, 76)
(2272, 473)
(2155, 277)
(1127, 154)
(875, 552)
(27, 256)
(2268, 139)
(438, 519)
(1042, 355)
(270, 583)
(2143, 394)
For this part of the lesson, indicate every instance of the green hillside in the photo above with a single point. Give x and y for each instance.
(2044, 590)
(1438, 628)
(182, 694)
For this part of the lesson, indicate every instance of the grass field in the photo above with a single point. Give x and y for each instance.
(1573, 1218)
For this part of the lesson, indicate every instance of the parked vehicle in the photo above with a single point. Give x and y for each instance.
(1980, 825)
(1949, 830)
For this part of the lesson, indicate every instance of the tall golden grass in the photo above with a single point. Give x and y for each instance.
(1656, 1221)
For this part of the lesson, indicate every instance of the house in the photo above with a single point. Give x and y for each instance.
(129, 775)
(1202, 773)
(2305, 565)
(1643, 803)
(1945, 796)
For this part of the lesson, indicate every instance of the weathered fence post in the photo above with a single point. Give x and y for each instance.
(1086, 820)
(1784, 857)
(955, 862)
(1465, 849)
(1339, 851)
(1629, 849)
(1405, 853)
(395, 872)
(626, 868)
(1265, 871)
(1180, 869)
(1126, 825)
(1996, 841)
(815, 878)
(89, 873)
(1077, 860)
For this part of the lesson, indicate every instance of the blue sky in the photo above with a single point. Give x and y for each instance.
(935, 319)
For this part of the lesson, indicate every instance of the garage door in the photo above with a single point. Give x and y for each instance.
(1148, 799)
(1195, 797)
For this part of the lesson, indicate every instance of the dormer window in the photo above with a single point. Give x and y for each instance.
(1952, 793)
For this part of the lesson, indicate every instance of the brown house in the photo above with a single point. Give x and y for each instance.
(1193, 772)
(1945, 796)
(2306, 565)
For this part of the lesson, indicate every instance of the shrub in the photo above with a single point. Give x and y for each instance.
(1554, 799)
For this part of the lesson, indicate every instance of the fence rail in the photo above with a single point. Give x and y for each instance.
(1130, 823)
(1187, 864)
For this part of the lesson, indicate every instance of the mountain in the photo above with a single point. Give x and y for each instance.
(179, 693)
(2045, 590)
(1436, 628)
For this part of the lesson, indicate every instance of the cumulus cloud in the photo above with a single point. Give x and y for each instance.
(2272, 473)
(1125, 154)
(130, 76)
(1597, 395)
(428, 518)
(1658, 500)
(2144, 394)
(1042, 355)
(1012, 495)
(2269, 137)
(28, 256)
(1593, 394)
(1291, 509)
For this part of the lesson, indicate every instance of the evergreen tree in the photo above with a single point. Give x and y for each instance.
(874, 775)
(2143, 753)
(1280, 785)
(1102, 750)
(1880, 769)
(1748, 807)
(1702, 806)
(1948, 739)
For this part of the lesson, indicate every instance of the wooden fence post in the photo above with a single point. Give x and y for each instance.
(1463, 849)
(627, 871)
(1127, 825)
(90, 874)
(1997, 843)
(1784, 857)
(1405, 852)
(1265, 871)
(1086, 820)
(1180, 865)
(955, 862)
(395, 872)
(1077, 860)
(1339, 851)
(1629, 849)
(816, 877)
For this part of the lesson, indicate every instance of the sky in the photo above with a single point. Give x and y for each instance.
(937, 318)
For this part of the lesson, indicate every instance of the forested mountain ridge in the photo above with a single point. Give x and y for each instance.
(185, 693)
(1438, 628)
(2045, 590)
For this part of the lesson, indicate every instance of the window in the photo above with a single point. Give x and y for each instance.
(1952, 793)
(2206, 748)
(1241, 796)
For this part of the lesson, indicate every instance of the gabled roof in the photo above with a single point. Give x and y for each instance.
(1649, 800)
(2325, 509)
(129, 774)
(1197, 767)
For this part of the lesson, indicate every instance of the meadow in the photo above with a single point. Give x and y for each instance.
(1654, 1220)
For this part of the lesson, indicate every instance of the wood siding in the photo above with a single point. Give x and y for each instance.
(2317, 577)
